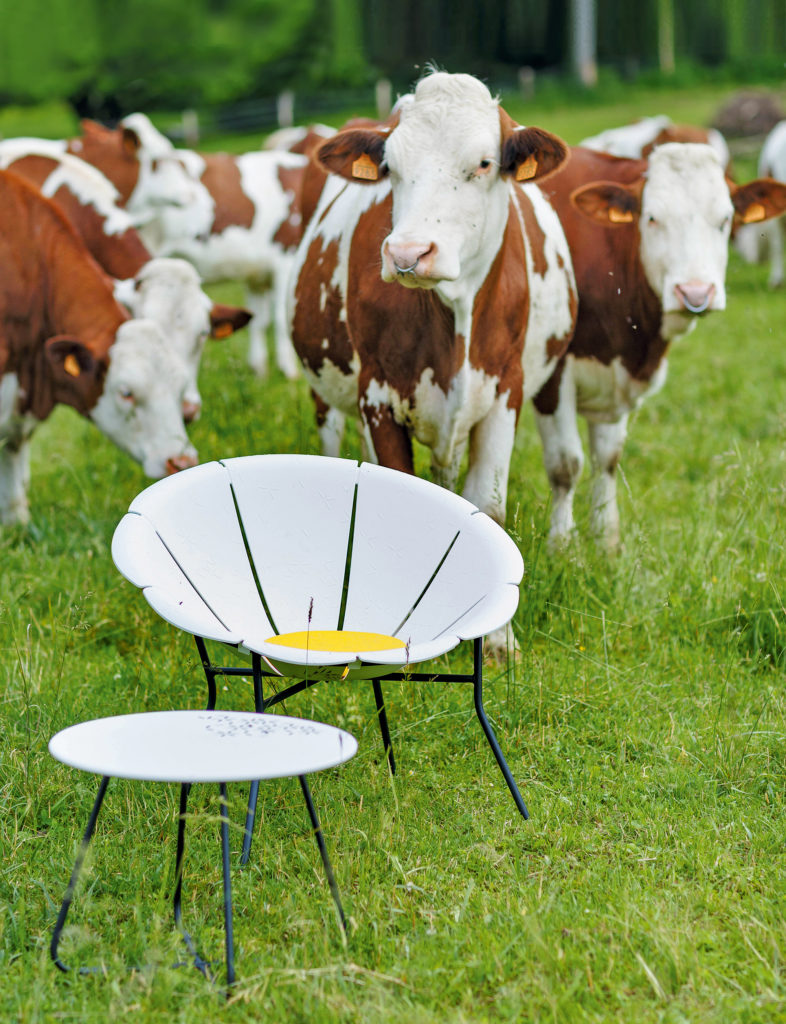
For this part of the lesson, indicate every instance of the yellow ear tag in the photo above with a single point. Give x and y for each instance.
(754, 213)
(222, 331)
(71, 365)
(527, 170)
(365, 168)
(617, 216)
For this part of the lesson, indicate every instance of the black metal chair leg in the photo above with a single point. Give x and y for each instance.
(228, 931)
(200, 963)
(383, 725)
(322, 849)
(69, 895)
(481, 713)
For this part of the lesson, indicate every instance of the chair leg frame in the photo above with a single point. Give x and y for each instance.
(262, 704)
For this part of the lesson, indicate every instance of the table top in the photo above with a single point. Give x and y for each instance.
(202, 746)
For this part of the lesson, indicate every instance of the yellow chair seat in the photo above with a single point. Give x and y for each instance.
(337, 640)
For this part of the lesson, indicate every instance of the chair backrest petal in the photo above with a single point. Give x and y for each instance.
(404, 528)
(143, 558)
(193, 513)
(297, 514)
(475, 585)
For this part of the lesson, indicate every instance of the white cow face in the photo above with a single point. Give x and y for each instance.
(140, 406)
(163, 182)
(449, 154)
(684, 208)
(169, 291)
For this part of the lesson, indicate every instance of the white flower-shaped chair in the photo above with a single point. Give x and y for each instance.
(321, 569)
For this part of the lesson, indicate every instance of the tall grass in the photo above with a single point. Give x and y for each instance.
(644, 720)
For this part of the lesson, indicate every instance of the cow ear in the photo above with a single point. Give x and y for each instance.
(529, 154)
(225, 320)
(758, 200)
(607, 203)
(75, 375)
(356, 154)
(130, 143)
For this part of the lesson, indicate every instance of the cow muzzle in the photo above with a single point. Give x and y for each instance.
(179, 462)
(409, 260)
(695, 296)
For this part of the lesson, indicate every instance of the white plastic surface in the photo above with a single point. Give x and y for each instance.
(426, 566)
(296, 511)
(403, 528)
(202, 746)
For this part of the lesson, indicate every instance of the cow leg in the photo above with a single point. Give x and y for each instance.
(330, 424)
(773, 234)
(388, 442)
(490, 449)
(259, 304)
(563, 456)
(447, 476)
(15, 479)
(606, 442)
(286, 357)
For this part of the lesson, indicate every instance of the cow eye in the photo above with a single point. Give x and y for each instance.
(651, 220)
(484, 166)
(127, 396)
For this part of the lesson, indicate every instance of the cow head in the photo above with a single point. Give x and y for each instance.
(683, 208)
(141, 163)
(449, 155)
(140, 406)
(169, 291)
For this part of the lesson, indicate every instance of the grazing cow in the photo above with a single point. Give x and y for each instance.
(167, 291)
(476, 301)
(244, 224)
(640, 138)
(757, 243)
(64, 338)
(649, 240)
(147, 185)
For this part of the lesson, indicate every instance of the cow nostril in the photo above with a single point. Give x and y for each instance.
(695, 297)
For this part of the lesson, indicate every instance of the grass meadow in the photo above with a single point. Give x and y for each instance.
(645, 721)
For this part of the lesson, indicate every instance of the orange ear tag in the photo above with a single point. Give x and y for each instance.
(754, 213)
(365, 168)
(222, 331)
(617, 216)
(71, 365)
(527, 170)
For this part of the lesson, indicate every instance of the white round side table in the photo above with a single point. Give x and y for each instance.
(199, 746)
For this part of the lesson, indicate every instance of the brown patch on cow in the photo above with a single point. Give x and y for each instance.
(221, 177)
(399, 333)
(677, 133)
(50, 286)
(290, 230)
(318, 305)
(547, 399)
(107, 149)
(500, 315)
(34, 168)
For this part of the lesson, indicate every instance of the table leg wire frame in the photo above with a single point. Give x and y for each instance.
(198, 960)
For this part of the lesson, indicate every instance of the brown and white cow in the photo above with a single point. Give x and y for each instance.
(476, 298)
(649, 240)
(243, 224)
(165, 290)
(64, 338)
